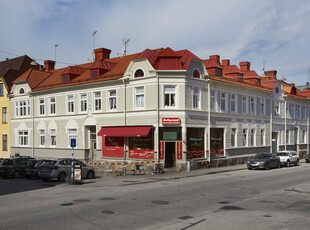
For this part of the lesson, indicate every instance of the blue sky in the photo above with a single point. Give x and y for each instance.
(274, 32)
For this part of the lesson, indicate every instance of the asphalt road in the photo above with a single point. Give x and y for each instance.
(256, 199)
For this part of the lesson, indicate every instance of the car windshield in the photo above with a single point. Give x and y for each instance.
(283, 154)
(7, 162)
(261, 156)
(50, 162)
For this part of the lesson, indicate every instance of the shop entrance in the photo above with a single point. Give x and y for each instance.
(169, 154)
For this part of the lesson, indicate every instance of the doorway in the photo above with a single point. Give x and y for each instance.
(169, 154)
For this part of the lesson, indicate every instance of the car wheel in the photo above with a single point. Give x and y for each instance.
(16, 174)
(279, 164)
(90, 175)
(288, 164)
(297, 163)
(267, 166)
(61, 177)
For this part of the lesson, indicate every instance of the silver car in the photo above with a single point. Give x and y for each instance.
(288, 157)
(61, 168)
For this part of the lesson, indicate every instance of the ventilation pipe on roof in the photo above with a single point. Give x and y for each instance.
(216, 58)
(244, 66)
(226, 62)
(102, 53)
(49, 65)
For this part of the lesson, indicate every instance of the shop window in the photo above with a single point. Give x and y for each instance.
(216, 142)
(139, 143)
(170, 134)
(196, 74)
(195, 143)
(139, 73)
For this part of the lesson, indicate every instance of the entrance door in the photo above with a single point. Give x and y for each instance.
(274, 142)
(169, 154)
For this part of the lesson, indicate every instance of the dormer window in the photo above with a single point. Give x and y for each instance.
(21, 91)
(196, 74)
(218, 72)
(65, 78)
(94, 73)
(139, 73)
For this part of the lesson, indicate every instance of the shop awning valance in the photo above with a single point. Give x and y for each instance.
(125, 131)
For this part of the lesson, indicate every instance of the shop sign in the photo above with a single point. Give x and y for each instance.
(141, 153)
(113, 147)
(170, 121)
(162, 150)
(179, 150)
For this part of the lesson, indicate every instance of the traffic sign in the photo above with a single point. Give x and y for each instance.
(73, 143)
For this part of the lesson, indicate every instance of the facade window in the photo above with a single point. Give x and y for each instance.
(233, 103)
(70, 103)
(42, 137)
(244, 137)
(196, 74)
(287, 136)
(252, 137)
(233, 137)
(72, 134)
(303, 137)
(263, 106)
(170, 92)
(287, 110)
(292, 110)
(304, 113)
(4, 142)
(277, 108)
(23, 138)
(4, 115)
(83, 101)
(253, 105)
(41, 106)
(65, 78)
(245, 105)
(196, 98)
(213, 100)
(223, 101)
(1, 89)
(53, 137)
(52, 105)
(21, 91)
(262, 137)
(297, 115)
(139, 73)
(94, 73)
(22, 108)
(97, 101)
(139, 94)
(112, 100)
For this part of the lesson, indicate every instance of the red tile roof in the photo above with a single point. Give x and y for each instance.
(75, 70)
(33, 77)
(231, 69)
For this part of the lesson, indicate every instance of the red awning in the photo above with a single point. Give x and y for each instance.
(125, 131)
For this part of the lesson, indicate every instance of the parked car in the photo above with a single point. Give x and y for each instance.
(14, 167)
(288, 157)
(308, 158)
(32, 168)
(61, 168)
(264, 161)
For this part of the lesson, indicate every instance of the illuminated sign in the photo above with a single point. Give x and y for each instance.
(171, 121)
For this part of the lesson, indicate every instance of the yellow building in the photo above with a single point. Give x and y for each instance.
(10, 69)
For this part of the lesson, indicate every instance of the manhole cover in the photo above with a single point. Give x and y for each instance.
(107, 198)
(160, 202)
(107, 212)
(231, 208)
(223, 202)
(66, 204)
(185, 217)
(81, 200)
(267, 215)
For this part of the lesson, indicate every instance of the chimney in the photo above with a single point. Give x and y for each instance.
(216, 58)
(226, 62)
(271, 74)
(244, 66)
(102, 53)
(49, 65)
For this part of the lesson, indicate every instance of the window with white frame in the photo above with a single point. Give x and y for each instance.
(262, 137)
(277, 108)
(303, 137)
(52, 105)
(233, 103)
(72, 134)
(297, 115)
(213, 100)
(83, 102)
(97, 101)
(139, 97)
(305, 113)
(287, 133)
(112, 100)
(70, 103)
(245, 137)
(252, 137)
(196, 98)
(23, 138)
(170, 95)
(53, 137)
(42, 137)
(223, 102)
(41, 106)
(292, 110)
(287, 110)
(233, 137)
(263, 106)
(22, 108)
(245, 104)
(253, 105)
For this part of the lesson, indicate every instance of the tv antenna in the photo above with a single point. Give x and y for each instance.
(125, 44)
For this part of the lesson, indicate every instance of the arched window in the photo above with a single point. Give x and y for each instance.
(196, 74)
(21, 91)
(139, 73)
